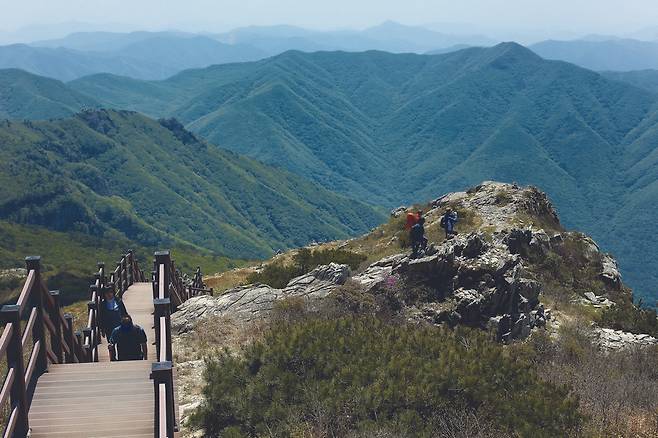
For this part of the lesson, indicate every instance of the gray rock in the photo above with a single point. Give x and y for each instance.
(610, 273)
(378, 273)
(615, 340)
(251, 302)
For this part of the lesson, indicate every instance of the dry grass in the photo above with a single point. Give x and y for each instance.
(618, 391)
(229, 279)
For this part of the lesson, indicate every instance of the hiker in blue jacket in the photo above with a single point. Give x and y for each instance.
(418, 239)
(448, 222)
(110, 312)
(128, 341)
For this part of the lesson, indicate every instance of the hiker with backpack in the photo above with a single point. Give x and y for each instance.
(412, 219)
(110, 312)
(418, 239)
(448, 221)
(128, 341)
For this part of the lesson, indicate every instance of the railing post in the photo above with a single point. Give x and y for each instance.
(94, 338)
(162, 309)
(119, 279)
(131, 267)
(39, 330)
(88, 349)
(154, 283)
(80, 350)
(124, 274)
(69, 339)
(11, 315)
(164, 280)
(162, 374)
(101, 271)
(56, 338)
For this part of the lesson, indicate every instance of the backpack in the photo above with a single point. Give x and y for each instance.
(443, 221)
(412, 219)
(417, 231)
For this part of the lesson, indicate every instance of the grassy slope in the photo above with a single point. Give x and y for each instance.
(394, 128)
(122, 174)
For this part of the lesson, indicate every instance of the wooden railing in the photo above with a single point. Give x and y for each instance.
(170, 290)
(125, 274)
(48, 337)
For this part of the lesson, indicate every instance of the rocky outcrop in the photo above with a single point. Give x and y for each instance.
(615, 340)
(471, 281)
(497, 204)
(490, 278)
(249, 302)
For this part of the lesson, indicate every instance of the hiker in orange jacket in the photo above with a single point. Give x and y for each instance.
(412, 219)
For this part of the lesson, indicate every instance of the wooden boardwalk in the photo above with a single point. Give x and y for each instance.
(61, 383)
(102, 399)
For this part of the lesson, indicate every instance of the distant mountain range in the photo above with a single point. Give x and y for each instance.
(121, 175)
(599, 55)
(140, 55)
(389, 36)
(396, 128)
(159, 55)
(647, 79)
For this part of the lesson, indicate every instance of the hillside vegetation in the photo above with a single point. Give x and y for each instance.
(68, 259)
(122, 175)
(27, 96)
(389, 128)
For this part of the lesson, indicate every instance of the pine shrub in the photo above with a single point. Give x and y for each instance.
(351, 375)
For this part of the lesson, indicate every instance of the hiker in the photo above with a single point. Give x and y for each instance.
(448, 222)
(110, 312)
(412, 219)
(418, 239)
(128, 340)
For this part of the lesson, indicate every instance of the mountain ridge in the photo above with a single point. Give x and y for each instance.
(122, 174)
(404, 122)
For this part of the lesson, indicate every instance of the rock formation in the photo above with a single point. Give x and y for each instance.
(488, 276)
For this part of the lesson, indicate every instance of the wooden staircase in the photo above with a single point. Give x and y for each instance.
(67, 386)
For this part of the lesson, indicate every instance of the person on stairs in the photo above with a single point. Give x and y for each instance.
(110, 313)
(418, 239)
(448, 222)
(128, 341)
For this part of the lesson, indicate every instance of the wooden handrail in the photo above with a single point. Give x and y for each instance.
(52, 336)
(27, 331)
(6, 388)
(27, 290)
(162, 411)
(33, 362)
(12, 423)
(5, 338)
(170, 290)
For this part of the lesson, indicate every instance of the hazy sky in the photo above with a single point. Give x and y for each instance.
(576, 16)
